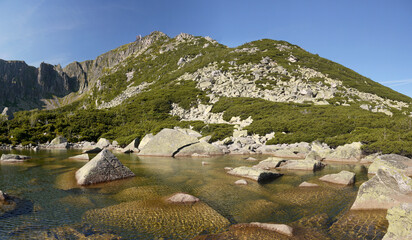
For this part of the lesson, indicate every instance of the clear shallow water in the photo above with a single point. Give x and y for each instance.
(135, 207)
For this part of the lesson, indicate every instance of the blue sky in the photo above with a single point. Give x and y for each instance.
(373, 38)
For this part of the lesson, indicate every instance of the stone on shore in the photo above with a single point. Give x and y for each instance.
(269, 163)
(309, 165)
(386, 189)
(93, 150)
(344, 178)
(102, 168)
(200, 148)
(81, 157)
(14, 158)
(392, 161)
(182, 198)
(167, 143)
(132, 147)
(346, 153)
(279, 228)
(58, 140)
(103, 143)
(306, 184)
(258, 175)
(312, 155)
(400, 222)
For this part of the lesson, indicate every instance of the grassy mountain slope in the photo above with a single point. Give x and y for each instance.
(284, 89)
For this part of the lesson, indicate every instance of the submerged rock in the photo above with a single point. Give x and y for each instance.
(159, 219)
(241, 182)
(182, 198)
(343, 178)
(14, 158)
(386, 189)
(280, 228)
(400, 222)
(167, 143)
(258, 175)
(81, 157)
(306, 184)
(102, 168)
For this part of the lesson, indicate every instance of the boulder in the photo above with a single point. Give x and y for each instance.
(346, 153)
(81, 157)
(188, 131)
(343, 178)
(251, 159)
(93, 150)
(241, 182)
(132, 147)
(13, 158)
(103, 143)
(228, 168)
(258, 175)
(370, 158)
(287, 153)
(392, 161)
(400, 222)
(309, 165)
(201, 148)
(306, 184)
(167, 143)
(386, 189)
(313, 155)
(279, 228)
(4, 196)
(269, 163)
(102, 168)
(322, 150)
(58, 140)
(145, 140)
(182, 198)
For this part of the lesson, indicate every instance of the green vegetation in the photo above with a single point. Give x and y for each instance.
(148, 112)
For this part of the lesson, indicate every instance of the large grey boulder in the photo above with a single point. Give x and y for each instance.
(346, 153)
(313, 155)
(400, 222)
(103, 143)
(167, 143)
(102, 168)
(58, 140)
(200, 148)
(188, 131)
(343, 178)
(258, 175)
(145, 140)
(309, 165)
(386, 189)
(392, 161)
(93, 150)
(13, 158)
(269, 163)
(322, 150)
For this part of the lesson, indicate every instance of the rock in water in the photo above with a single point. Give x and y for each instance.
(400, 222)
(167, 143)
(306, 184)
(145, 140)
(392, 161)
(241, 182)
(347, 153)
(200, 148)
(309, 165)
(13, 158)
(132, 147)
(182, 198)
(102, 143)
(93, 150)
(102, 168)
(81, 157)
(270, 163)
(343, 178)
(386, 189)
(58, 140)
(258, 175)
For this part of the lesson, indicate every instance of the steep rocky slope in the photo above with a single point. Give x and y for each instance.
(262, 87)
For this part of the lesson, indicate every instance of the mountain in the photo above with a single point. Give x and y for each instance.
(263, 87)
